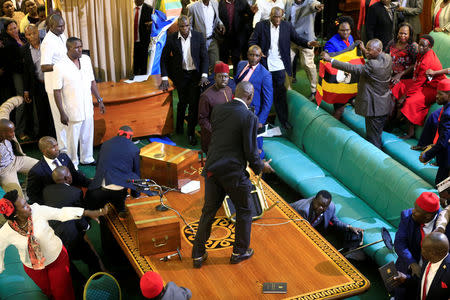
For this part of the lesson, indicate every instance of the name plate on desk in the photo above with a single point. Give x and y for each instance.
(168, 165)
(153, 231)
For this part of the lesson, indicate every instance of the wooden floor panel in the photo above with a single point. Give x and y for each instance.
(292, 252)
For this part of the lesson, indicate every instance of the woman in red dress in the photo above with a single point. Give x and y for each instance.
(416, 95)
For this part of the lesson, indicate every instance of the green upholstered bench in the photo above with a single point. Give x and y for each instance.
(392, 145)
(14, 282)
(369, 188)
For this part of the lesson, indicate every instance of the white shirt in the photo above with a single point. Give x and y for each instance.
(208, 12)
(139, 20)
(427, 229)
(274, 62)
(76, 87)
(50, 244)
(433, 270)
(187, 63)
(53, 49)
(264, 8)
(51, 164)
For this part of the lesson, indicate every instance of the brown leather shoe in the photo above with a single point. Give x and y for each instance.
(198, 261)
(237, 258)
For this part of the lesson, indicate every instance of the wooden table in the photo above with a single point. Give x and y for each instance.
(140, 105)
(293, 252)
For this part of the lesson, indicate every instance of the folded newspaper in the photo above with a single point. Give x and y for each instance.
(266, 132)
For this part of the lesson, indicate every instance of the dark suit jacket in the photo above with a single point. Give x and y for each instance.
(144, 31)
(172, 56)
(117, 162)
(407, 241)
(261, 37)
(440, 149)
(379, 24)
(63, 195)
(30, 81)
(241, 14)
(263, 96)
(374, 96)
(303, 207)
(40, 176)
(233, 142)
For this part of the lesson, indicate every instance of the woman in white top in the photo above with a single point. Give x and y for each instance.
(42, 253)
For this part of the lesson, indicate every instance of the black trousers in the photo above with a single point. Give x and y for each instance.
(374, 129)
(279, 95)
(80, 250)
(140, 57)
(98, 198)
(215, 191)
(40, 121)
(233, 45)
(442, 173)
(188, 95)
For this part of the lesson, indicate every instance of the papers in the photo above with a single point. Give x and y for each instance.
(137, 78)
(269, 132)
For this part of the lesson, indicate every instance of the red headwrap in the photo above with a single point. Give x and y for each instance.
(428, 201)
(151, 284)
(444, 85)
(221, 67)
(6, 207)
(127, 133)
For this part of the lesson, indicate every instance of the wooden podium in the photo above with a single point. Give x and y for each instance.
(141, 105)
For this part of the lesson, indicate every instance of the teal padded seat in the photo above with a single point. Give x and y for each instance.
(14, 282)
(369, 187)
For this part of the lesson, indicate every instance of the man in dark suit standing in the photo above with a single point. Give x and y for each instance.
(234, 14)
(33, 85)
(274, 36)
(373, 101)
(380, 21)
(40, 174)
(118, 161)
(185, 60)
(233, 144)
(72, 233)
(434, 282)
(142, 27)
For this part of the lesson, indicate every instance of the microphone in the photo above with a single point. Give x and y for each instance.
(139, 180)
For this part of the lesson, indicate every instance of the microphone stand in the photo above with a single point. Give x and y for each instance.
(152, 186)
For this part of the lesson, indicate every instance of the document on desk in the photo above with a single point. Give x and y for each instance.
(266, 132)
(137, 78)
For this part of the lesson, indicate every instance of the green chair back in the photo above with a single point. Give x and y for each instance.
(102, 286)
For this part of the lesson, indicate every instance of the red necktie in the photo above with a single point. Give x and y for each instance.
(136, 23)
(424, 290)
(422, 234)
(436, 137)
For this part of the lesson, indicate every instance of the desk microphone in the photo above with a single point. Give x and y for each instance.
(139, 180)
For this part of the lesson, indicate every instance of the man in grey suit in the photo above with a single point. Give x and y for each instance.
(374, 96)
(204, 17)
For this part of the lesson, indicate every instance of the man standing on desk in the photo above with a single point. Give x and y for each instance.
(233, 144)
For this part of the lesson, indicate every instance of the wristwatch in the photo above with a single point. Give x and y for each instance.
(99, 100)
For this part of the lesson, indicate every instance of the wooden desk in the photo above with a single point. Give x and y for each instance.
(293, 252)
(140, 105)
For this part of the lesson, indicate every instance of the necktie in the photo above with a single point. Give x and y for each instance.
(56, 163)
(422, 234)
(242, 76)
(136, 24)
(424, 289)
(436, 137)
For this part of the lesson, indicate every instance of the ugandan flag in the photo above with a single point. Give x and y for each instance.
(336, 86)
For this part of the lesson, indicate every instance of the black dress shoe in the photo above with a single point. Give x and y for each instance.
(192, 140)
(198, 261)
(237, 258)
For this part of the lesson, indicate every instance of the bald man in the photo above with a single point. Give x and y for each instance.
(233, 144)
(373, 101)
(40, 174)
(53, 50)
(435, 273)
(61, 194)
